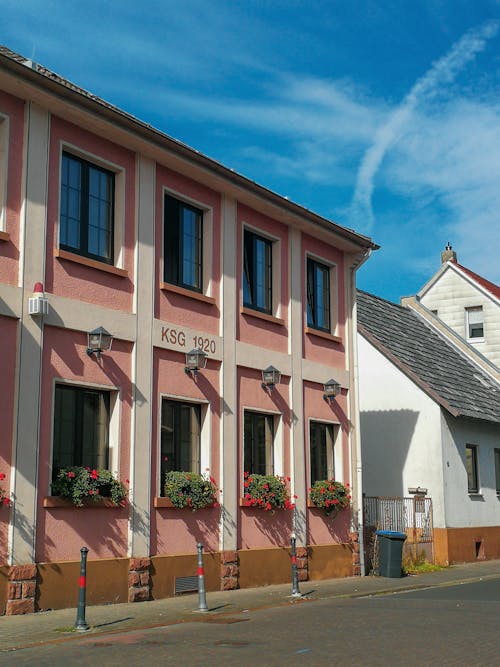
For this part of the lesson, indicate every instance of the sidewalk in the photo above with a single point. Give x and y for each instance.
(22, 631)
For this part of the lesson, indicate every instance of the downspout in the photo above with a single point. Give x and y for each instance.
(359, 261)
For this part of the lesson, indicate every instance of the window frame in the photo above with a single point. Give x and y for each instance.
(468, 325)
(329, 444)
(113, 419)
(87, 163)
(472, 469)
(311, 265)
(4, 170)
(270, 427)
(169, 250)
(270, 271)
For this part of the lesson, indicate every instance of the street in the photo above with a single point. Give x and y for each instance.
(444, 625)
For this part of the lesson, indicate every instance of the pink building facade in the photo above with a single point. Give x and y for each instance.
(168, 251)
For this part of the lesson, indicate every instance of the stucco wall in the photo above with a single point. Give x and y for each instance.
(400, 432)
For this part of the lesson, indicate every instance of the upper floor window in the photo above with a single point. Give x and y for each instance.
(258, 439)
(321, 451)
(180, 437)
(81, 427)
(318, 295)
(183, 239)
(257, 272)
(87, 209)
(471, 467)
(474, 323)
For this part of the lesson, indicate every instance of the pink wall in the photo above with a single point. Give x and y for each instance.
(323, 529)
(317, 348)
(67, 278)
(252, 329)
(62, 532)
(257, 528)
(9, 250)
(176, 531)
(177, 308)
(8, 346)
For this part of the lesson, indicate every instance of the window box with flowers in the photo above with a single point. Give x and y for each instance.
(330, 496)
(188, 490)
(266, 492)
(4, 498)
(83, 487)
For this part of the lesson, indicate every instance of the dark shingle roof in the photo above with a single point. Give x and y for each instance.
(425, 356)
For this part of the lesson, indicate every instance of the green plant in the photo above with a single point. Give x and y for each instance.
(329, 495)
(79, 483)
(4, 498)
(268, 492)
(191, 490)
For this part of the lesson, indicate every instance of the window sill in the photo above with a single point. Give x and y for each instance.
(475, 494)
(168, 287)
(323, 334)
(56, 502)
(262, 316)
(4, 236)
(92, 263)
(160, 502)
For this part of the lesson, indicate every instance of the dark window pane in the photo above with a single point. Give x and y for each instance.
(183, 238)
(318, 295)
(258, 437)
(81, 427)
(321, 451)
(471, 466)
(180, 437)
(257, 272)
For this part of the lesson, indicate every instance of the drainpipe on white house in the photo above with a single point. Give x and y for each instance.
(360, 260)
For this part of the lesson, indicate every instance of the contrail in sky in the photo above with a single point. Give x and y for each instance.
(442, 72)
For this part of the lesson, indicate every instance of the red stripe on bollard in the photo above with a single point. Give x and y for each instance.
(200, 572)
(82, 582)
(294, 560)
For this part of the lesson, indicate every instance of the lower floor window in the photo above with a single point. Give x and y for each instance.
(258, 437)
(81, 427)
(180, 437)
(471, 466)
(321, 451)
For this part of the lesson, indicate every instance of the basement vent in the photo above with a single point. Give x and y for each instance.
(186, 585)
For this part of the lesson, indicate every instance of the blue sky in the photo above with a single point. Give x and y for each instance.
(382, 116)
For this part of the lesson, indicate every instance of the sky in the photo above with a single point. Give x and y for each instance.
(383, 115)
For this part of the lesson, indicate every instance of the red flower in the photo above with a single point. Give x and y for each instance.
(266, 486)
(245, 474)
(94, 474)
(295, 496)
(127, 481)
(287, 479)
(6, 501)
(215, 504)
(165, 458)
(246, 485)
(2, 475)
(71, 474)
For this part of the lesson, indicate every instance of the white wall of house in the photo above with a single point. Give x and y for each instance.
(463, 510)
(450, 293)
(400, 432)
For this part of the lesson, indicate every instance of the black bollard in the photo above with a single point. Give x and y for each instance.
(81, 624)
(295, 577)
(202, 597)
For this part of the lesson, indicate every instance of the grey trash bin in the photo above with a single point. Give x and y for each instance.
(390, 552)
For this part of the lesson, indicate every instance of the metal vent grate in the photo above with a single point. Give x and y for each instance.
(186, 585)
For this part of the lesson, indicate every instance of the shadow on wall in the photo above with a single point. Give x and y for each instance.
(385, 439)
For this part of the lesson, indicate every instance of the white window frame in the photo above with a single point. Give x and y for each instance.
(205, 432)
(334, 297)
(4, 169)
(275, 266)
(119, 201)
(278, 467)
(207, 238)
(473, 309)
(115, 400)
(338, 458)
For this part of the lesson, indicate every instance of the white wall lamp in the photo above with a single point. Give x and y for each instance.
(99, 340)
(270, 377)
(195, 360)
(331, 389)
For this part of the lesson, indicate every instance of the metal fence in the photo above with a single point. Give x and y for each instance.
(412, 516)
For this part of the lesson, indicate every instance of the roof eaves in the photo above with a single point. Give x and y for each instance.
(65, 89)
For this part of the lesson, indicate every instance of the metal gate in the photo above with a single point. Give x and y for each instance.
(412, 516)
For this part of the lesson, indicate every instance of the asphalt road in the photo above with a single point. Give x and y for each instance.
(446, 626)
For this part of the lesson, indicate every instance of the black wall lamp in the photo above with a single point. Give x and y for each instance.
(99, 340)
(195, 359)
(270, 377)
(331, 389)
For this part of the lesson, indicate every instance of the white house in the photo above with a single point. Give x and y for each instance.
(430, 418)
(467, 303)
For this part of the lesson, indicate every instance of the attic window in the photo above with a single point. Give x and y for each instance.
(474, 323)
